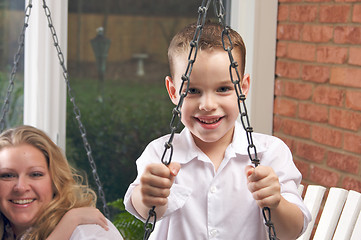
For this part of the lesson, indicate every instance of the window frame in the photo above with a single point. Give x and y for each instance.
(44, 85)
(256, 21)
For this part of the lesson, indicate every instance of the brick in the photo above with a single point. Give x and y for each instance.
(356, 13)
(300, 51)
(353, 100)
(324, 177)
(352, 142)
(318, 0)
(344, 162)
(331, 54)
(347, 0)
(281, 50)
(310, 152)
(303, 13)
(326, 136)
(288, 141)
(282, 13)
(346, 76)
(287, 69)
(296, 128)
(296, 90)
(285, 107)
(347, 34)
(289, 32)
(317, 33)
(314, 73)
(303, 167)
(278, 91)
(355, 56)
(345, 119)
(285, 1)
(313, 112)
(352, 184)
(334, 13)
(277, 124)
(328, 95)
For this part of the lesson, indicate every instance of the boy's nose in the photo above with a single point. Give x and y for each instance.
(207, 103)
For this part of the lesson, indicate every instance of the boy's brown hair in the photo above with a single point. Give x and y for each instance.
(211, 37)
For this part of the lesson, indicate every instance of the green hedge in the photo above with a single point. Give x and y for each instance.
(118, 129)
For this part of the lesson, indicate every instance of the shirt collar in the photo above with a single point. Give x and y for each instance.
(239, 145)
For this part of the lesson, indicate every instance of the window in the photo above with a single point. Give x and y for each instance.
(11, 23)
(117, 57)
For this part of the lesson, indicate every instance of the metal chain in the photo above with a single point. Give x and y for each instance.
(220, 13)
(17, 56)
(177, 114)
(76, 110)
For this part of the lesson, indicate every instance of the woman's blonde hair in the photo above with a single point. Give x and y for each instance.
(69, 191)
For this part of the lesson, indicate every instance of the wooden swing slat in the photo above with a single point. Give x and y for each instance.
(357, 229)
(331, 213)
(313, 199)
(349, 216)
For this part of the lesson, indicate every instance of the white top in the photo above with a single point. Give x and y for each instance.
(96, 232)
(205, 204)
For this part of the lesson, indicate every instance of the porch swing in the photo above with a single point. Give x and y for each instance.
(76, 110)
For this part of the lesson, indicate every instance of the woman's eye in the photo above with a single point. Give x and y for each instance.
(36, 174)
(193, 91)
(6, 176)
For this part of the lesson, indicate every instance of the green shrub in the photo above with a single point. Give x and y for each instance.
(14, 116)
(130, 227)
(118, 129)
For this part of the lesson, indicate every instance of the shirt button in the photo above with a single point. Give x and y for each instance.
(213, 232)
(213, 189)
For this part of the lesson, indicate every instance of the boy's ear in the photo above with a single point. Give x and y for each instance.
(245, 84)
(172, 91)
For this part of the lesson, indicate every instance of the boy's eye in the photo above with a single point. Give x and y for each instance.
(223, 89)
(7, 176)
(193, 91)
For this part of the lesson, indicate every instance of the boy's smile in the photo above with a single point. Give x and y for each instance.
(210, 109)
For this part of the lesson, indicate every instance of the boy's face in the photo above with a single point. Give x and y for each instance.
(210, 109)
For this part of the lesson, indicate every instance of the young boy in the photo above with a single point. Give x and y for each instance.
(210, 191)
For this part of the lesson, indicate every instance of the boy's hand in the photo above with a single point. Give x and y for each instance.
(87, 215)
(155, 183)
(264, 185)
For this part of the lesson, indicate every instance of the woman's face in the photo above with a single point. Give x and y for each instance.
(25, 185)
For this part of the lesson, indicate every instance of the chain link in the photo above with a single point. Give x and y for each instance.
(17, 56)
(228, 46)
(177, 114)
(76, 110)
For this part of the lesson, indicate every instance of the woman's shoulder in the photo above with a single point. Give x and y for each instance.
(95, 232)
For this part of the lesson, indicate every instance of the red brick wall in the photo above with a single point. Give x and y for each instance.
(317, 108)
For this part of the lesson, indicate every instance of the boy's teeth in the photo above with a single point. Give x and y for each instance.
(25, 201)
(209, 121)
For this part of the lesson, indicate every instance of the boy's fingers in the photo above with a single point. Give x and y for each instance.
(249, 171)
(174, 168)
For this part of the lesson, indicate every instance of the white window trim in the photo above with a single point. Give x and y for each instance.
(44, 86)
(256, 21)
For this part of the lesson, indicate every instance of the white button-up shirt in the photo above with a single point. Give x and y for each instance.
(209, 204)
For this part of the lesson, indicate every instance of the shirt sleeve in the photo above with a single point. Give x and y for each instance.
(289, 176)
(96, 232)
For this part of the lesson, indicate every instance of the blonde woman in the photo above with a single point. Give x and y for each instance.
(41, 197)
